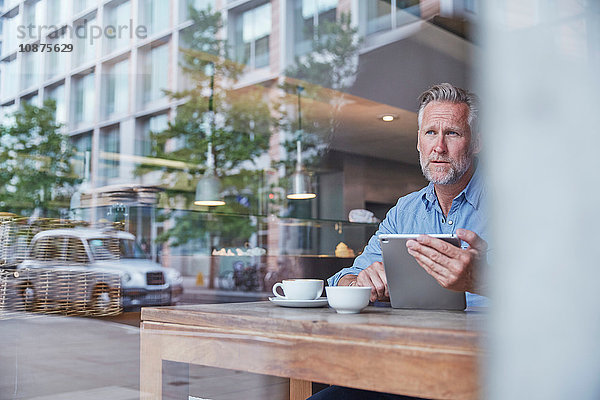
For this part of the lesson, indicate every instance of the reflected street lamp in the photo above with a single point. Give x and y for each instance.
(300, 183)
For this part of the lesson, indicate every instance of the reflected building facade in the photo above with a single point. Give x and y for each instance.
(110, 95)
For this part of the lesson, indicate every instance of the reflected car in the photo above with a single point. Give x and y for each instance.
(93, 269)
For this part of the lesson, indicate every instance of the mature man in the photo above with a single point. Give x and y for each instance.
(453, 202)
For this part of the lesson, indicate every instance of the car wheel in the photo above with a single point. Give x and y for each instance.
(29, 297)
(102, 301)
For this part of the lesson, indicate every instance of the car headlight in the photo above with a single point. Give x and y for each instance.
(126, 277)
(174, 276)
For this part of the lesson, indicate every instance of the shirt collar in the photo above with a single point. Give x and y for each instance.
(472, 192)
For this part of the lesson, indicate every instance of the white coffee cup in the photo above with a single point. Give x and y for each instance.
(299, 289)
(348, 299)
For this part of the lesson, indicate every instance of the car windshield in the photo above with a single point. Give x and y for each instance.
(104, 248)
(114, 248)
(131, 249)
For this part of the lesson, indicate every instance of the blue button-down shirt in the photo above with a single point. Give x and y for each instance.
(420, 212)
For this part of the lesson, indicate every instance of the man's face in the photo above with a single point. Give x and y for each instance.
(444, 142)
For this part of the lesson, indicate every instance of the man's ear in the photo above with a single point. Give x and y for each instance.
(418, 137)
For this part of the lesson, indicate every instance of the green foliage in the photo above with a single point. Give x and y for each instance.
(331, 64)
(236, 123)
(35, 162)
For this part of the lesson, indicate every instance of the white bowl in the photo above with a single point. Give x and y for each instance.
(348, 299)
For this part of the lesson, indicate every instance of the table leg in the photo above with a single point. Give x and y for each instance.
(151, 373)
(299, 389)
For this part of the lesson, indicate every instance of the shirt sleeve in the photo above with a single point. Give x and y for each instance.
(372, 251)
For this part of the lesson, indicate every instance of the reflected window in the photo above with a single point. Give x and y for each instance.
(31, 99)
(83, 100)
(48, 249)
(382, 15)
(109, 153)
(116, 89)
(131, 249)
(76, 251)
(252, 35)
(57, 93)
(32, 16)
(197, 4)
(117, 17)
(10, 79)
(155, 15)
(155, 77)
(84, 48)
(307, 16)
(29, 65)
(143, 141)
(82, 144)
(81, 5)
(104, 248)
(56, 64)
(57, 11)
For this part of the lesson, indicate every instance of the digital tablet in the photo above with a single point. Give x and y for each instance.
(410, 286)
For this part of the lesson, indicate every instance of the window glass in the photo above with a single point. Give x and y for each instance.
(56, 61)
(118, 17)
(81, 5)
(29, 65)
(104, 248)
(379, 14)
(143, 144)
(84, 47)
(109, 153)
(117, 88)
(155, 76)
(253, 29)
(84, 98)
(75, 251)
(155, 15)
(57, 93)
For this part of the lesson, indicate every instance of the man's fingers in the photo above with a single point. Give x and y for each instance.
(427, 263)
(475, 242)
(437, 255)
(438, 244)
(374, 276)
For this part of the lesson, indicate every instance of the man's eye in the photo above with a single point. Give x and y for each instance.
(430, 133)
(452, 133)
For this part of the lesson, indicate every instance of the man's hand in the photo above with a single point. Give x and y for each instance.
(454, 268)
(374, 277)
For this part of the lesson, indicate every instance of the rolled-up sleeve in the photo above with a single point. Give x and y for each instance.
(372, 251)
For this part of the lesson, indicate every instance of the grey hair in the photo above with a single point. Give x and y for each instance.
(450, 93)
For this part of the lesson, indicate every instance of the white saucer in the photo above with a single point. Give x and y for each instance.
(320, 302)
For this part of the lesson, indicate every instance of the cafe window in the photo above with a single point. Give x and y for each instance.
(10, 78)
(116, 88)
(252, 36)
(308, 14)
(32, 17)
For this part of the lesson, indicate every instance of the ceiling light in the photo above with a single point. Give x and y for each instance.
(388, 117)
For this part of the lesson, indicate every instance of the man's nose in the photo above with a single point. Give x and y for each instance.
(440, 145)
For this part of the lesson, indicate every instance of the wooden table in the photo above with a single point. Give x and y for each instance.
(430, 354)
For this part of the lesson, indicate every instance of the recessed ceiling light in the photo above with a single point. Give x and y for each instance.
(388, 117)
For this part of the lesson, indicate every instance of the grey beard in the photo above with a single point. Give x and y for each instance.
(457, 170)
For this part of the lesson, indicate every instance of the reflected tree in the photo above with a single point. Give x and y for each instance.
(235, 124)
(36, 174)
(324, 73)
